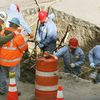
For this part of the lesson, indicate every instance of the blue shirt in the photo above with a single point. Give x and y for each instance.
(77, 58)
(94, 55)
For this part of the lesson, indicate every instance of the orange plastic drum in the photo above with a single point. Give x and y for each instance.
(46, 78)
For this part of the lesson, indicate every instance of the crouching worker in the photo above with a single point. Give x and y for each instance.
(73, 57)
(11, 53)
(94, 58)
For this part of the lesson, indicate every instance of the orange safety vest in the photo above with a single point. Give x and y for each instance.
(11, 53)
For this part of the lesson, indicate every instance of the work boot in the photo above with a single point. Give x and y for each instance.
(19, 93)
(1, 93)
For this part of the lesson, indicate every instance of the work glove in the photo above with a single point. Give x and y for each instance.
(93, 75)
(40, 45)
(6, 32)
(92, 65)
(72, 65)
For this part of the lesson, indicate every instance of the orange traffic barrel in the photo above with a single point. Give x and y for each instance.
(46, 80)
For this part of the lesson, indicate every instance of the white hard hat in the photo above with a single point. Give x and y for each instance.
(3, 16)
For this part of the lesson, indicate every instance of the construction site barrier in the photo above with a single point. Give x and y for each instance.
(46, 78)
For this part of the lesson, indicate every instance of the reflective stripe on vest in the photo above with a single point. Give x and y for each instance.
(46, 74)
(13, 48)
(11, 53)
(22, 45)
(5, 60)
(46, 88)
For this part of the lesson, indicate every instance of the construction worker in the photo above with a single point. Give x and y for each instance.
(11, 53)
(94, 59)
(4, 39)
(73, 57)
(14, 11)
(47, 32)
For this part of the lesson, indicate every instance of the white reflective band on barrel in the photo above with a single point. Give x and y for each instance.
(47, 74)
(46, 88)
(12, 89)
(12, 81)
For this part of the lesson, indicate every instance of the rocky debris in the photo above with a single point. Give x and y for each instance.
(87, 33)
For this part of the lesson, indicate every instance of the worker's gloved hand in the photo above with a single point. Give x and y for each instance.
(93, 75)
(92, 65)
(72, 65)
(40, 45)
(6, 32)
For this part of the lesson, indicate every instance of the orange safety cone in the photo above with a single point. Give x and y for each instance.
(60, 93)
(12, 89)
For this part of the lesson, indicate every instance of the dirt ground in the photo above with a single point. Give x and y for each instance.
(26, 89)
(74, 88)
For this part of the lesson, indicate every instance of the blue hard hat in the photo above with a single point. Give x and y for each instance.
(15, 21)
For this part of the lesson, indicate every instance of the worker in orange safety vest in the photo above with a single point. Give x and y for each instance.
(11, 53)
(3, 40)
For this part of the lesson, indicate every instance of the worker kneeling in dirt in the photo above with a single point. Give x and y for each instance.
(73, 57)
(94, 58)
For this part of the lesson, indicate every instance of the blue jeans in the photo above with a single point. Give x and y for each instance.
(3, 85)
(3, 76)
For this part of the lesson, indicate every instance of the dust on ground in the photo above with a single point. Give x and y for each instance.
(26, 89)
(74, 88)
